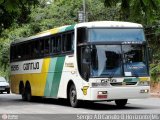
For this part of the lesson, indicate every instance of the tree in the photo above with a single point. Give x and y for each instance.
(14, 10)
(142, 11)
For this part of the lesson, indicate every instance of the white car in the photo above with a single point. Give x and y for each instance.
(4, 85)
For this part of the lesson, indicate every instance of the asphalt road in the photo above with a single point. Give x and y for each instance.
(14, 108)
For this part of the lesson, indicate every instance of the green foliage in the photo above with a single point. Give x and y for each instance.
(97, 11)
(15, 11)
(154, 71)
(153, 37)
(144, 10)
(4, 55)
(141, 11)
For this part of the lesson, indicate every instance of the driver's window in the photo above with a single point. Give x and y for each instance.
(85, 62)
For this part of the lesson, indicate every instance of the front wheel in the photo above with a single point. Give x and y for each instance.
(121, 103)
(73, 97)
(8, 92)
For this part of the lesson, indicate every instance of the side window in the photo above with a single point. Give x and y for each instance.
(22, 51)
(41, 47)
(26, 51)
(68, 39)
(36, 49)
(46, 46)
(56, 44)
(18, 52)
(81, 35)
(64, 37)
(58, 38)
(12, 53)
(69, 42)
(32, 46)
(51, 45)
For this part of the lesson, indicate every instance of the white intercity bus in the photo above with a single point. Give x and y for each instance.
(92, 61)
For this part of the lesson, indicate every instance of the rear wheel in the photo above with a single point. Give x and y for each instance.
(73, 96)
(121, 103)
(28, 94)
(22, 91)
(24, 96)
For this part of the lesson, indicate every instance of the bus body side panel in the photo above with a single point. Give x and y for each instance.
(69, 74)
(54, 77)
(50, 82)
(37, 80)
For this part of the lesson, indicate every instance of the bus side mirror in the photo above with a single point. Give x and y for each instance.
(150, 54)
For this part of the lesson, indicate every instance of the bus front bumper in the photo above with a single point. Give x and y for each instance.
(113, 93)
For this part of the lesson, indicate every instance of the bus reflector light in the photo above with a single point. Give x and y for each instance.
(101, 96)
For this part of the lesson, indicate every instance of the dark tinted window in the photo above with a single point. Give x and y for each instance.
(81, 35)
(46, 46)
(39, 48)
(56, 44)
(67, 39)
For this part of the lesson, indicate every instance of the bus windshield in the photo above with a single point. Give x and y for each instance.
(125, 34)
(118, 61)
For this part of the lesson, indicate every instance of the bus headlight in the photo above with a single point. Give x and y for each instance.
(100, 84)
(144, 83)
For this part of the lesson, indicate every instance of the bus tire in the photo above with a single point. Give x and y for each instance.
(73, 96)
(22, 91)
(24, 96)
(121, 103)
(28, 94)
(8, 92)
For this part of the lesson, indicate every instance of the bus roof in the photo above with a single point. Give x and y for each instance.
(109, 24)
(46, 33)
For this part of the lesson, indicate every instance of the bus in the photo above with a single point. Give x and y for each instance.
(90, 61)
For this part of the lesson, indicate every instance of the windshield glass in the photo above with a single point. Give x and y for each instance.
(123, 34)
(134, 60)
(106, 60)
(118, 60)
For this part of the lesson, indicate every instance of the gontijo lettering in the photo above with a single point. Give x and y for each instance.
(31, 66)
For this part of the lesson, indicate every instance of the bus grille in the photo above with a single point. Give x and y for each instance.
(122, 83)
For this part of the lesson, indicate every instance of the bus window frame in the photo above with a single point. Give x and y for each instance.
(64, 50)
(29, 51)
